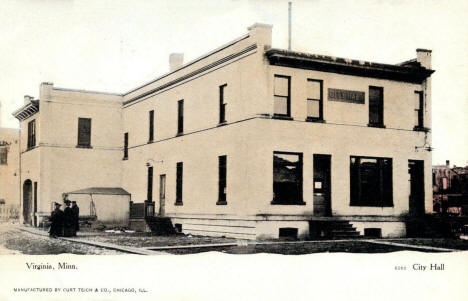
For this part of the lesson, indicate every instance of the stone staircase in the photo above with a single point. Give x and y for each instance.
(332, 229)
(160, 225)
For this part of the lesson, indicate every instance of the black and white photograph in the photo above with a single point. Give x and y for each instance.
(233, 149)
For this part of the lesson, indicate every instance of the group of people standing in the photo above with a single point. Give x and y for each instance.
(65, 223)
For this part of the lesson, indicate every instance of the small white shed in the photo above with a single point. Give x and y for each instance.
(110, 205)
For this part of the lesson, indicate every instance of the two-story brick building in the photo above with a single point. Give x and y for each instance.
(247, 141)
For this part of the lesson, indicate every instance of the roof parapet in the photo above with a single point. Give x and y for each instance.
(262, 34)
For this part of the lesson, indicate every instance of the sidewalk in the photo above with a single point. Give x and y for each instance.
(109, 246)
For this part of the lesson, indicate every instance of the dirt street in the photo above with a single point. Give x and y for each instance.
(15, 241)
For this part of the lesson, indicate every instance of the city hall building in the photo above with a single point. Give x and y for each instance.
(246, 141)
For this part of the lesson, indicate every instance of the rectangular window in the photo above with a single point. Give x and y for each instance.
(179, 183)
(371, 181)
(3, 156)
(222, 104)
(84, 132)
(125, 146)
(282, 99)
(287, 178)
(419, 109)
(151, 126)
(222, 180)
(149, 192)
(32, 134)
(314, 100)
(376, 106)
(180, 117)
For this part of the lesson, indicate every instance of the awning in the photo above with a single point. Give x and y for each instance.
(101, 190)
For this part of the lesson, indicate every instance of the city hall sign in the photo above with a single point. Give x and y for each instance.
(346, 96)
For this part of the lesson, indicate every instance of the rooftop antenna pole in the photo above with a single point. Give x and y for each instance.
(289, 26)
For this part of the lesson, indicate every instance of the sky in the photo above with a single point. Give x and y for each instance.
(117, 45)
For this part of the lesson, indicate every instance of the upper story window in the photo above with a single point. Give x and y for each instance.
(419, 109)
(180, 117)
(376, 107)
(222, 104)
(282, 96)
(31, 134)
(151, 126)
(371, 181)
(314, 100)
(287, 178)
(84, 132)
(3, 155)
(125, 156)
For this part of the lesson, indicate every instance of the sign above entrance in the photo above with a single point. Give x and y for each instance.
(346, 96)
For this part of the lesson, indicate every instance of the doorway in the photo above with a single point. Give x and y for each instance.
(322, 185)
(416, 179)
(35, 205)
(162, 195)
(27, 202)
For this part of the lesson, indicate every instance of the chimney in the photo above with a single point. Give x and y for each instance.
(424, 57)
(261, 33)
(176, 60)
(27, 99)
(447, 163)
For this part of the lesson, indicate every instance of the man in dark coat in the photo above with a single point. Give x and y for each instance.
(76, 216)
(56, 219)
(68, 226)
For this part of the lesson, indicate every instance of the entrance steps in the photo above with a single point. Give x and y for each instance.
(155, 224)
(332, 229)
(160, 225)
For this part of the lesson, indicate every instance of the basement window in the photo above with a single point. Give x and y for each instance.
(371, 182)
(373, 232)
(288, 233)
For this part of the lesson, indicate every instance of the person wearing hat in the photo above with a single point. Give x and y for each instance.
(68, 225)
(56, 218)
(76, 217)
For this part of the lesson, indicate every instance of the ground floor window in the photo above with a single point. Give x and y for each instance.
(371, 181)
(287, 178)
(179, 173)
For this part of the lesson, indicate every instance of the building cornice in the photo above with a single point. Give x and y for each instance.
(27, 110)
(229, 44)
(406, 73)
(191, 74)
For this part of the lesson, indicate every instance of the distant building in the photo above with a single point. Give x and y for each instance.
(450, 186)
(246, 141)
(9, 171)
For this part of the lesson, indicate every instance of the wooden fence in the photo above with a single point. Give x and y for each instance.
(8, 212)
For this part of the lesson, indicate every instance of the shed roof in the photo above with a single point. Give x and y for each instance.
(101, 190)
